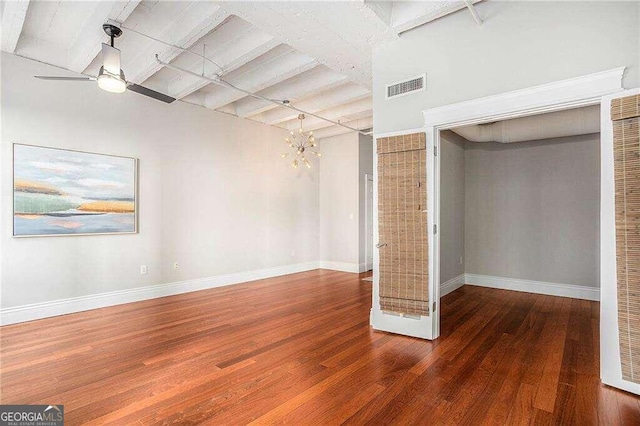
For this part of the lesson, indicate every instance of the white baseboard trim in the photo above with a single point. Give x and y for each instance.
(84, 303)
(539, 287)
(341, 266)
(451, 285)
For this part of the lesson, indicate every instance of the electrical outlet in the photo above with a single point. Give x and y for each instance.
(351, 216)
(461, 260)
(144, 269)
(293, 253)
(175, 265)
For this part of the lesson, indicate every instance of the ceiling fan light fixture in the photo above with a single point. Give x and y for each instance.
(111, 77)
(111, 82)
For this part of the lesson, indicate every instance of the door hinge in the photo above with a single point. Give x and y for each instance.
(435, 151)
(435, 229)
(434, 307)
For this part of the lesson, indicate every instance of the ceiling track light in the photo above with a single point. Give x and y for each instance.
(216, 79)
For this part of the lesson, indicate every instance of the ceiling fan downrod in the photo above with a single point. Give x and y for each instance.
(112, 31)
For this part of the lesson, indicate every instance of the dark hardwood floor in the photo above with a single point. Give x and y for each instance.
(298, 349)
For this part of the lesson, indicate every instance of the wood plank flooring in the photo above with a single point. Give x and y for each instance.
(298, 349)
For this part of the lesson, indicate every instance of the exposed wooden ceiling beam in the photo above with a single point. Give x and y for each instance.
(198, 20)
(362, 107)
(299, 87)
(186, 85)
(409, 15)
(13, 17)
(314, 28)
(342, 94)
(271, 71)
(89, 39)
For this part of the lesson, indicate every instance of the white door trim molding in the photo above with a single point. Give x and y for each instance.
(610, 368)
(564, 94)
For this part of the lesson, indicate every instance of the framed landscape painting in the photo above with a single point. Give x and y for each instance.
(61, 192)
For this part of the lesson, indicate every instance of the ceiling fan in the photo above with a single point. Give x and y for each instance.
(111, 77)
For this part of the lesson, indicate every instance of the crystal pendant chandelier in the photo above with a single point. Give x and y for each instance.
(301, 142)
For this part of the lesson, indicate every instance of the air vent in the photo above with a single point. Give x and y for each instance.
(406, 87)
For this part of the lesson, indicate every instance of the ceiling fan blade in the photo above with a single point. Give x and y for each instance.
(50, 77)
(151, 93)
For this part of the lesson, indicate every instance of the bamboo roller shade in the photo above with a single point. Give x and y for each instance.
(402, 224)
(628, 107)
(626, 149)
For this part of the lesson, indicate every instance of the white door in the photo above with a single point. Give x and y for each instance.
(369, 222)
(610, 360)
(422, 326)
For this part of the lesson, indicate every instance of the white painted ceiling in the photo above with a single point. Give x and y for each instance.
(317, 55)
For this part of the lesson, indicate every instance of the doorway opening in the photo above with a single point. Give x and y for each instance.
(520, 205)
(587, 90)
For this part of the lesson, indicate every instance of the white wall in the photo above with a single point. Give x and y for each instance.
(214, 193)
(345, 160)
(365, 164)
(339, 200)
(520, 44)
(452, 205)
(532, 210)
